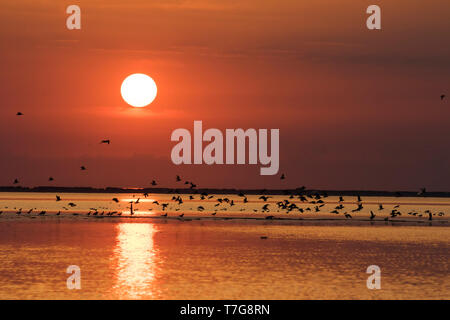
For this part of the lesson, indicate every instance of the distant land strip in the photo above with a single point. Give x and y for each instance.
(296, 191)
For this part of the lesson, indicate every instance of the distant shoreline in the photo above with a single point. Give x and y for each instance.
(366, 193)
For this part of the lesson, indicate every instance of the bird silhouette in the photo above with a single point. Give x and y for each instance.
(282, 176)
(19, 114)
(178, 178)
(115, 200)
(106, 141)
(82, 168)
(442, 96)
(16, 181)
(422, 192)
(372, 215)
(50, 179)
(58, 198)
(153, 183)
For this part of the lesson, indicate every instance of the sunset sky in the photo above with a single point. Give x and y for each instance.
(356, 109)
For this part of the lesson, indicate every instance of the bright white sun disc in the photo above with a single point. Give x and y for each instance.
(138, 90)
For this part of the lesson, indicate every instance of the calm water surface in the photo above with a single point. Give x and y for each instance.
(211, 258)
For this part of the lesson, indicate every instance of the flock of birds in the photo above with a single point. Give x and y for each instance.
(300, 201)
(314, 202)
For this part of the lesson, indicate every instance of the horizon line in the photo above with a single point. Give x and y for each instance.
(285, 191)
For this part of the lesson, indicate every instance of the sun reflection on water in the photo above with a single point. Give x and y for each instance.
(135, 256)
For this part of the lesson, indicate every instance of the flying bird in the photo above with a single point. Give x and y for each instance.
(58, 198)
(106, 141)
(115, 200)
(282, 176)
(83, 168)
(19, 114)
(50, 179)
(442, 96)
(16, 181)
(422, 192)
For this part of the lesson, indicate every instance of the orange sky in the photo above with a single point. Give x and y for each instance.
(356, 109)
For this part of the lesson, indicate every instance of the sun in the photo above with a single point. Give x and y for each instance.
(138, 90)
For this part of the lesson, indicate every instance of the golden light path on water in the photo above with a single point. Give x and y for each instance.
(135, 255)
